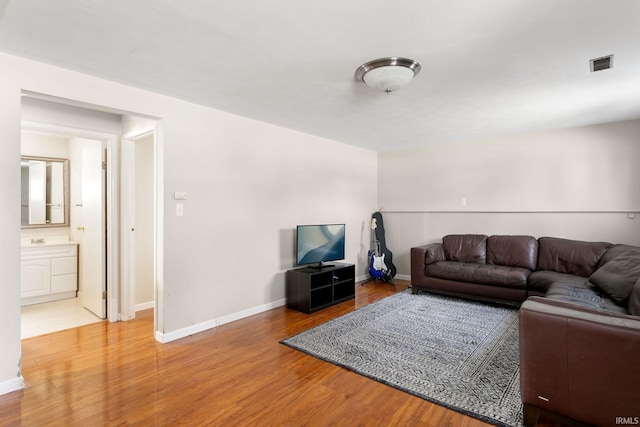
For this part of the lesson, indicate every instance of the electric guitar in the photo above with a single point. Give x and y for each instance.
(377, 268)
(388, 255)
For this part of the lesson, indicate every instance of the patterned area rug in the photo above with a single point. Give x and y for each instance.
(456, 353)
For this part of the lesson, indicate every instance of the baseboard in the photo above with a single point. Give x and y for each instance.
(397, 276)
(185, 332)
(250, 312)
(145, 306)
(12, 385)
(362, 278)
(210, 324)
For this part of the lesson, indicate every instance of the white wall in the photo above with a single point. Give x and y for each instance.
(573, 176)
(10, 374)
(40, 145)
(249, 184)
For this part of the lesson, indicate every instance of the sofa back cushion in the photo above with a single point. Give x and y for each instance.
(613, 251)
(465, 247)
(634, 300)
(617, 277)
(569, 256)
(513, 251)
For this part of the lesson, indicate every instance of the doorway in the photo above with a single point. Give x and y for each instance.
(139, 226)
(72, 246)
(45, 114)
(144, 222)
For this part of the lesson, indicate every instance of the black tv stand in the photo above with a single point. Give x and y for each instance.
(310, 289)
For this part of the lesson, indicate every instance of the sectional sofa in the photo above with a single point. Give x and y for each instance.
(579, 316)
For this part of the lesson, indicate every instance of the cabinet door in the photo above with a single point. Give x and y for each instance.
(36, 278)
(64, 283)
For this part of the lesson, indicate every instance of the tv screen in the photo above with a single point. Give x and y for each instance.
(319, 243)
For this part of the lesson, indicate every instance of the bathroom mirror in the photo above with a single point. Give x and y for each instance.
(44, 192)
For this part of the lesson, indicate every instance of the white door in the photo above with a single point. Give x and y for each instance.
(92, 246)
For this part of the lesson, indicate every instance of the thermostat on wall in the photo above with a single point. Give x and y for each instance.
(180, 195)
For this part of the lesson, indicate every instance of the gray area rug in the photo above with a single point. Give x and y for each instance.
(457, 353)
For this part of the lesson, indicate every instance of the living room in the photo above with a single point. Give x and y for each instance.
(226, 257)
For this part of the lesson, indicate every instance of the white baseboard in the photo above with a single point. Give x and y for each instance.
(362, 278)
(12, 385)
(145, 306)
(185, 332)
(209, 324)
(250, 312)
(397, 276)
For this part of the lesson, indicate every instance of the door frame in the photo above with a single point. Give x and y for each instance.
(128, 215)
(112, 218)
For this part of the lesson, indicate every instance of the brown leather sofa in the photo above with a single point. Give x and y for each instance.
(579, 326)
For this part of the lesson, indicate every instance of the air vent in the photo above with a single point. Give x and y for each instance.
(599, 64)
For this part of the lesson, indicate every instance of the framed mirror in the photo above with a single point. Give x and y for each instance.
(44, 192)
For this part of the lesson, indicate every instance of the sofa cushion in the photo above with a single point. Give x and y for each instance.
(613, 251)
(541, 281)
(569, 256)
(434, 253)
(465, 247)
(514, 251)
(486, 274)
(617, 277)
(584, 294)
(634, 299)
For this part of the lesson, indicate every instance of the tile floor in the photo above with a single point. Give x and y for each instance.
(40, 319)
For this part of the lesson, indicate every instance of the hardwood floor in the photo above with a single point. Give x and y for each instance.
(238, 374)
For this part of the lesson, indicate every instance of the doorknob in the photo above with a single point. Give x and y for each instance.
(80, 227)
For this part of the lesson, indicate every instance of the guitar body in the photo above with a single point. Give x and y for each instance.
(388, 256)
(377, 267)
(378, 262)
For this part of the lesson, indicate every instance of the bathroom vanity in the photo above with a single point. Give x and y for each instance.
(49, 270)
(49, 260)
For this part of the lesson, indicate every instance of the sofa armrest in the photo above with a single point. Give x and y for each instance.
(578, 362)
(421, 256)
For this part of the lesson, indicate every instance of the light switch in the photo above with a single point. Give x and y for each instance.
(180, 195)
(179, 209)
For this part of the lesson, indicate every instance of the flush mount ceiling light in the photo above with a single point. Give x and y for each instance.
(388, 74)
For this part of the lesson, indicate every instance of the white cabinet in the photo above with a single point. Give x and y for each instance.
(49, 273)
(36, 274)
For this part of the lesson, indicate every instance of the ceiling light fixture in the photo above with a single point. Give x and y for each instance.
(388, 74)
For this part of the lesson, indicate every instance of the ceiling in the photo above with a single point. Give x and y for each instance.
(489, 68)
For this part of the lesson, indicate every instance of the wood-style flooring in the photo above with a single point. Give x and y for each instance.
(237, 374)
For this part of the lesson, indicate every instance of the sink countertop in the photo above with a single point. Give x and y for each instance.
(51, 241)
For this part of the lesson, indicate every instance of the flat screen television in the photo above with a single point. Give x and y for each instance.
(316, 244)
